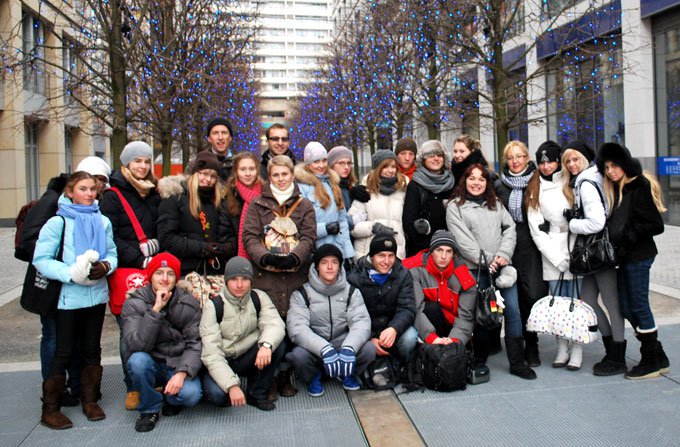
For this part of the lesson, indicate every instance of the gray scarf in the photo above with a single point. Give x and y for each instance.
(433, 182)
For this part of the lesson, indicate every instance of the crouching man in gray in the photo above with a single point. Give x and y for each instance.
(329, 325)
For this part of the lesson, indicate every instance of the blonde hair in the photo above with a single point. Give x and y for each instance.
(195, 205)
(515, 143)
(320, 192)
(373, 179)
(567, 189)
(280, 160)
(610, 188)
(233, 204)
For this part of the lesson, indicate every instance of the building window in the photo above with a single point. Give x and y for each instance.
(585, 94)
(554, 8)
(516, 107)
(32, 152)
(70, 68)
(33, 53)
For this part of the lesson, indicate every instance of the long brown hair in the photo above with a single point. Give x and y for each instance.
(233, 204)
(75, 178)
(531, 195)
(373, 179)
(461, 189)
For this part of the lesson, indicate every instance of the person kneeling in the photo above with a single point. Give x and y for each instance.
(330, 326)
(242, 334)
(160, 329)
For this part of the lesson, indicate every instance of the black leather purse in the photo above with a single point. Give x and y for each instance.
(488, 314)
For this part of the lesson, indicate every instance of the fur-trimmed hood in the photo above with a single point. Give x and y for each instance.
(172, 185)
(304, 176)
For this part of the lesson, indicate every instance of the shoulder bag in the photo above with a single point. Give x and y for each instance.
(488, 314)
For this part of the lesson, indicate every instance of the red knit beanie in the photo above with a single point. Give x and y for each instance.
(164, 259)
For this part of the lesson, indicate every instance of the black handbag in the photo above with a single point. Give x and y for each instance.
(488, 314)
(40, 294)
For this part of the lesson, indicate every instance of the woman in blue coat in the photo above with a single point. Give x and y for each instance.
(89, 254)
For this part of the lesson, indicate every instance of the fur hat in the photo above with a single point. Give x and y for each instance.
(219, 122)
(135, 149)
(238, 266)
(442, 237)
(548, 151)
(338, 153)
(382, 242)
(380, 156)
(619, 155)
(206, 160)
(430, 148)
(314, 151)
(326, 250)
(94, 166)
(583, 148)
(164, 259)
(507, 276)
(406, 144)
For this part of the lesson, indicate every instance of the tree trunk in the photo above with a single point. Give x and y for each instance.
(118, 138)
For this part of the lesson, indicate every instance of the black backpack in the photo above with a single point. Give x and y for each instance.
(439, 367)
(219, 305)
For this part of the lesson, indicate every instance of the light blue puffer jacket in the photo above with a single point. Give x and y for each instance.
(73, 296)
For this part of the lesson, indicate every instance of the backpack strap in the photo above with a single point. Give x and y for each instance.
(598, 191)
(219, 305)
(60, 253)
(256, 302)
(292, 207)
(131, 215)
(349, 297)
(303, 292)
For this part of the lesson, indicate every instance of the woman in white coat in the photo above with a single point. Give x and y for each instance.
(549, 228)
(382, 213)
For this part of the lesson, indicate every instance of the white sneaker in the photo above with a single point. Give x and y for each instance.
(562, 353)
(576, 357)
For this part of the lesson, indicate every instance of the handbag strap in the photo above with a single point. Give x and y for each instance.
(479, 269)
(131, 215)
(60, 253)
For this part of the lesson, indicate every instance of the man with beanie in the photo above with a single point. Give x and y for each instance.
(329, 325)
(219, 134)
(242, 335)
(406, 151)
(278, 143)
(387, 288)
(160, 329)
(445, 292)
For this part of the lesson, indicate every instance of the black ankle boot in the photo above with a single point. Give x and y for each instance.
(648, 368)
(614, 362)
(515, 348)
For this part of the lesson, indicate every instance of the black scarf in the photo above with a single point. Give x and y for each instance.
(475, 199)
(387, 185)
(206, 193)
(458, 169)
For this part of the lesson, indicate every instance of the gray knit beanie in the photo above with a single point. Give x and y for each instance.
(338, 153)
(238, 266)
(135, 149)
(380, 156)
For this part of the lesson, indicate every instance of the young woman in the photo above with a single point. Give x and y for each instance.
(136, 183)
(321, 186)
(89, 254)
(546, 202)
(243, 185)
(587, 215)
(188, 218)
(515, 177)
(383, 212)
(341, 160)
(432, 183)
(280, 261)
(480, 223)
(635, 207)
(467, 151)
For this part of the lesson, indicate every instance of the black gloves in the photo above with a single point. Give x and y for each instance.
(545, 226)
(212, 250)
(572, 213)
(333, 228)
(360, 193)
(280, 262)
(384, 229)
(348, 264)
(99, 270)
(422, 226)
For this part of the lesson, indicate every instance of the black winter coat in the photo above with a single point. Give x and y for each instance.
(634, 222)
(432, 209)
(182, 235)
(458, 169)
(526, 258)
(41, 212)
(146, 210)
(391, 305)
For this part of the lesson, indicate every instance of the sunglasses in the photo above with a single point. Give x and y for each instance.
(284, 139)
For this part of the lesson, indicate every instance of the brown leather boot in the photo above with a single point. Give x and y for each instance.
(91, 379)
(273, 393)
(286, 389)
(52, 417)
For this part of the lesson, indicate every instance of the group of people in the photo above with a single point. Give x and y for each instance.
(324, 272)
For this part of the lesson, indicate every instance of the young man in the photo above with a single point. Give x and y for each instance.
(220, 135)
(330, 327)
(278, 143)
(445, 292)
(245, 337)
(160, 329)
(406, 150)
(387, 289)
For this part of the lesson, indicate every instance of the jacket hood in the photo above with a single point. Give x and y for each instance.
(329, 290)
(173, 185)
(591, 173)
(306, 177)
(57, 184)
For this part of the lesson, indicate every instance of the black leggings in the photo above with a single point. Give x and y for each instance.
(84, 325)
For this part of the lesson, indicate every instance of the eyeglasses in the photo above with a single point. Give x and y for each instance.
(344, 163)
(284, 139)
(516, 158)
(207, 174)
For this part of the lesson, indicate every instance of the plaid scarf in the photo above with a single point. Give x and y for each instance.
(518, 183)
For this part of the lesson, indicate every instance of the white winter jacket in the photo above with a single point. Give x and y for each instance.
(553, 244)
(384, 209)
(586, 195)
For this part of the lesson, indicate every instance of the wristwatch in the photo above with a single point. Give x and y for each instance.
(267, 345)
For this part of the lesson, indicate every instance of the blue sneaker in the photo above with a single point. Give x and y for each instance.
(315, 387)
(350, 383)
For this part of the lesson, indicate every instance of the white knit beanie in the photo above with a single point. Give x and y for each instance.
(94, 166)
(314, 151)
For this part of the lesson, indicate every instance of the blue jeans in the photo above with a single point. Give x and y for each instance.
(568, 288)
(406, 343)
(147, 373)
(48, 346)
(511, 316)
(122, 350)
(633, 283)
